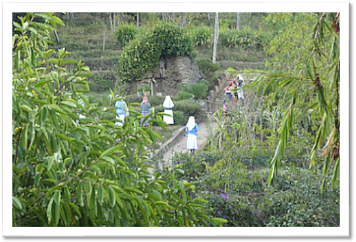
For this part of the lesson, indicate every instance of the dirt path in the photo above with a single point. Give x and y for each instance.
(181, 145)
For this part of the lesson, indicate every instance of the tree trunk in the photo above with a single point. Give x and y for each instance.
(238, 22)
(216, 36)
(209, 16)
(184, 22)
(138, 19)
(110, 18)
(104, 36)
(55, 33)
(114, 20)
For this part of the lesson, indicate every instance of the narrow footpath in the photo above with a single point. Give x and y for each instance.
(205, 130)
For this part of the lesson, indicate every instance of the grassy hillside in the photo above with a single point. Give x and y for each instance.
(83, 37)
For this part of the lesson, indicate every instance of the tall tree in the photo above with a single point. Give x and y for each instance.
(238, 21)
(110, 19)
(216, 36)
(138, 19)
(184, 20)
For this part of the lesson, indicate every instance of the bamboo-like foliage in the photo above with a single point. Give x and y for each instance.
(310, 85)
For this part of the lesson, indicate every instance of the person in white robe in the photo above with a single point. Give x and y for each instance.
(192, 129)
(239, 88)
(168, 109)
(81, 116)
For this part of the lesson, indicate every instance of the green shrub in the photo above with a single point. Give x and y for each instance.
(187, 107)
(182, 95)
(180, 118)
(155, 100)
(99, 83)
(142, 53)
(243, 39)
(125, 33)
(202, 36)
(199, 90)
(108, 116)
(209, 69)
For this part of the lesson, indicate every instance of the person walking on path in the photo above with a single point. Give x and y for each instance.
(192, 129)
(81, 116)
(121, 111)
(168, 109)
(240, 83)
(145, 110)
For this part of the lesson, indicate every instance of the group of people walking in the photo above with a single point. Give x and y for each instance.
(235, 84)
(122, 111)
(191, 127)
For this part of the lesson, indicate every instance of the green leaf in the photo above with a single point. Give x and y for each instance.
(57, 197)
(16, 202)
(131, 189)
(80, 194)
(108, 159)
(37, 179)
(57, 209)
(112, 198)
(76, 209)
(68, 214)
(67, 62)
(63, 137)
(69, 104)
(219, 220)
(43, 15)
(110, 150)
(67, 193)
(162, 204)
(100, 194)
(49, 210)
(87, 188)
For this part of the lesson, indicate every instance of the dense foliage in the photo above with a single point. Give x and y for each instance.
(142, 53)
(90, 173)
(125, 33)
(308, 75)
(244, 39)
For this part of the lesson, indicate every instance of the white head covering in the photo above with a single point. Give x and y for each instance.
(241, 78)
(168, 102)
(191, 123)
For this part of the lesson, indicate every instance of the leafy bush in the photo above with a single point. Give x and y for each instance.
(182, 95)
(142, 53)
(68, 174)
(155, 100)
(180, 118)
(202, 36)
(199, 90)
(125, 33)
(108, 116)
(99, 83)
(209, 69)
(243, 39)
(187, 107)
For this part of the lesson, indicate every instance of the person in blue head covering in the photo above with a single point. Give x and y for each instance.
(81, 116)
(192, 129)
(121, 109)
